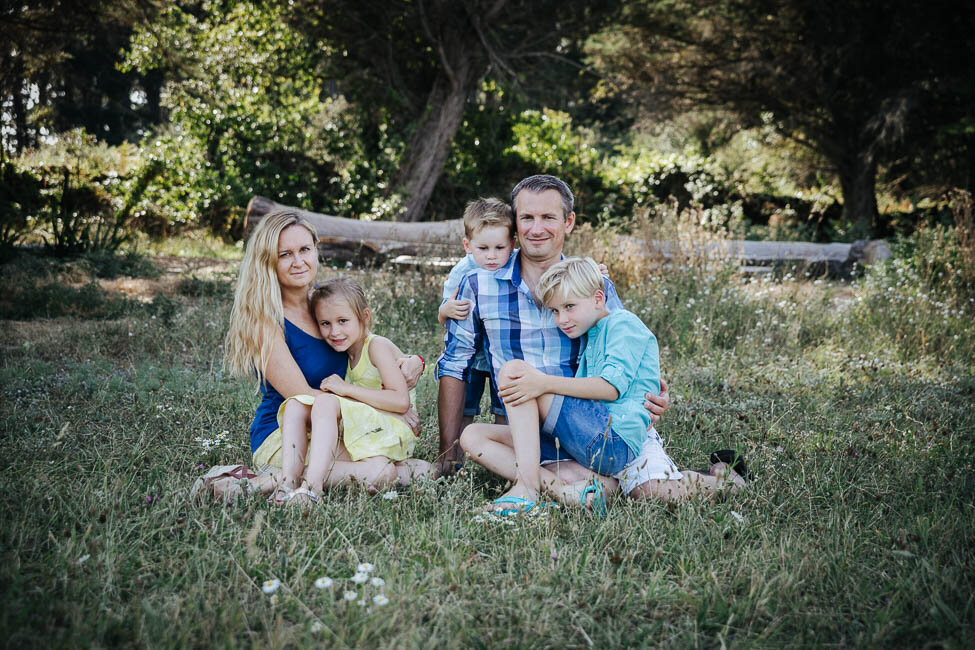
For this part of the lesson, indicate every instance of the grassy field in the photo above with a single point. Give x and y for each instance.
(853, 402)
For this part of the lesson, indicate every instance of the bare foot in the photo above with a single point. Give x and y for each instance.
(411, 469)
(518, 499)
(728, 478)
(448, 466)
(588, 494)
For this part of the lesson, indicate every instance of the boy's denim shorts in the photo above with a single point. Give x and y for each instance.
(475, 388)
(582, 427)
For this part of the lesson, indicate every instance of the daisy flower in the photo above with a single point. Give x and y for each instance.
(324, 583)
(351, 595)
(377, 582)
(380, 599)
(317, 626)
(359, 578)
(274, 599)
(365, 567)
(270, 586)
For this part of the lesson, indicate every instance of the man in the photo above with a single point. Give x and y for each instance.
(506, 317)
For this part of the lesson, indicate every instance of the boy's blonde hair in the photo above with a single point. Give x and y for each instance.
(348, 289)
(573, 276)
(482, 213)
(258, 313)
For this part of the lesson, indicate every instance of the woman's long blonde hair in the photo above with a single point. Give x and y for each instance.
(258, 313)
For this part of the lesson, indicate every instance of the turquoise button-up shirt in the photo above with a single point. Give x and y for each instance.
(623, 351)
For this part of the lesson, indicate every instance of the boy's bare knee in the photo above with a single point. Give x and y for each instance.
(471, 436)
(513, 368)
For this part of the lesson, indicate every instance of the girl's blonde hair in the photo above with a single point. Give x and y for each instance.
(258, 313)
(573, 276)
(348, 289)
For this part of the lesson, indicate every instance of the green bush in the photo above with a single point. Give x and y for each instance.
(249, 117)
(86, 192)
(21, 201)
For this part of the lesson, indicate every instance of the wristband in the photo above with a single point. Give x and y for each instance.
(423, 362)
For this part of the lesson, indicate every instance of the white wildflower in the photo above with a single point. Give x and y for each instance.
(360, 577)
(380, 599)
(377, 582)
(365, 567)
(270, 586)
(324, 583)
(350, 595)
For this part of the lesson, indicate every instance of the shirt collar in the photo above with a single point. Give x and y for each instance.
(512, 270)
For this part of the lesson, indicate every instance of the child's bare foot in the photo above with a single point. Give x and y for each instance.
(518, 499)
(448, 466)
(589, 494)
(411, 469)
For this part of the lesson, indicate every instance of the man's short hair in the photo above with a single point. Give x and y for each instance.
(481, 213)
(540, 183)
(573, 276)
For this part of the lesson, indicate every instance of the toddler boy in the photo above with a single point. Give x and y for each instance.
(489, 242)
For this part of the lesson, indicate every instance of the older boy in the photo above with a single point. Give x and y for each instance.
(595, 422)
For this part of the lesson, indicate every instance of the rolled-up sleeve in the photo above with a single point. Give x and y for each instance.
(619, 365)
(463, 337)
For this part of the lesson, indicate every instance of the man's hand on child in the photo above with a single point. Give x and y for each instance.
(334, 384)
(657, 404)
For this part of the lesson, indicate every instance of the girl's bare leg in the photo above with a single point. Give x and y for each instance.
(294, 443)
(325, 416)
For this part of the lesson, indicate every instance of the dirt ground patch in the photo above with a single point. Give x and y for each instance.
(173, 269)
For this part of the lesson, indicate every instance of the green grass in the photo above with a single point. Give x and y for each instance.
(857, 531)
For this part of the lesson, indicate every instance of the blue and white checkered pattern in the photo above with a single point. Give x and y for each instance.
(508, 324)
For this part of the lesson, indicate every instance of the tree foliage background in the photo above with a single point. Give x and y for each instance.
(775, 117)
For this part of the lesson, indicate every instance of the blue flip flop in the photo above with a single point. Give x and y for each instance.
(528, 504)
(598, 503)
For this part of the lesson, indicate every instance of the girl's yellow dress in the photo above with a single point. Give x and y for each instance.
(367, 431)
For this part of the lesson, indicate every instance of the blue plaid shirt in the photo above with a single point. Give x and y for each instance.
(508, 324)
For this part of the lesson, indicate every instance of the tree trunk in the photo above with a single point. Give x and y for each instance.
(369, 242)
(365, 242)
(19, 108)
(858, 180)
(424, 159)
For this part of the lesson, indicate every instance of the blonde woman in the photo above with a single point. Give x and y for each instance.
(274, 337)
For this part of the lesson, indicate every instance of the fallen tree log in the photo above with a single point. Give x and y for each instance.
(369, 241)
(375, 242)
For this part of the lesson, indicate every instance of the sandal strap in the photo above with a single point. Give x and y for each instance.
(305, 491)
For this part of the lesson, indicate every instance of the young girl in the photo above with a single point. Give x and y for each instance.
(376, 446)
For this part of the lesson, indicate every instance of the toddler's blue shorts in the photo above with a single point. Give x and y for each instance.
(475, 388)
